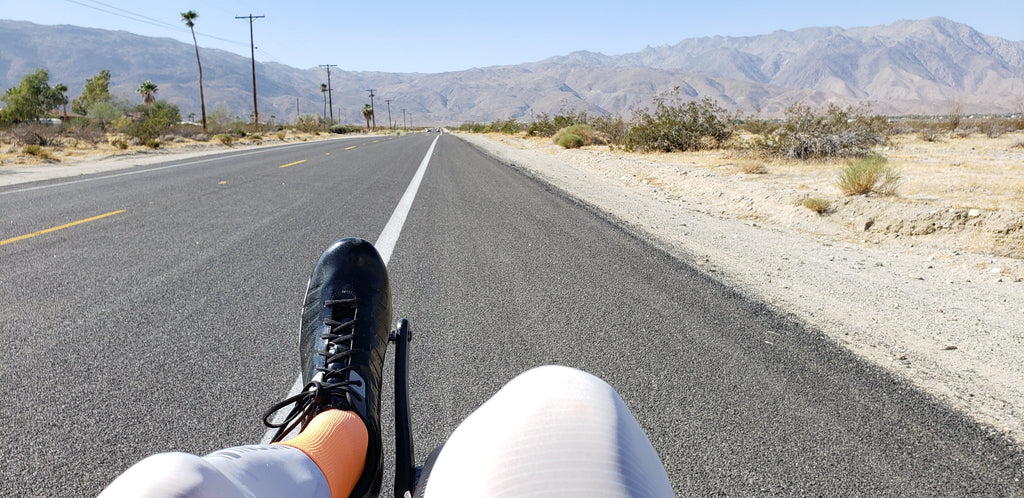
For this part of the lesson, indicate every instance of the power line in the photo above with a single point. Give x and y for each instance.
(132, 16)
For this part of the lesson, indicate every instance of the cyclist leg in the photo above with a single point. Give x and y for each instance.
(552, 430)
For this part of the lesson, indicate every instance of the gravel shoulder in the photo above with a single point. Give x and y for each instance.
(912, 284)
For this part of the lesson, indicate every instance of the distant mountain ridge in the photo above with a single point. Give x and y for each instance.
(908, 67)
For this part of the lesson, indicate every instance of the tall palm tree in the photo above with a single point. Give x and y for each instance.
(323, 90)
(367, 114)
(189, 19)
(148, 91)
(61, 89)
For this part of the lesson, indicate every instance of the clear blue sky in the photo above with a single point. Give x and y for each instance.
(436, 35)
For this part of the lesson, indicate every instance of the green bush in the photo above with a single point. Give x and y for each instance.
(150, 122)
(342, 129)
(225, 139)
(153, 143)
(32, 150)
(839, 132)
(570, 141)
(869, 174)
(584, 132)
(676, 126)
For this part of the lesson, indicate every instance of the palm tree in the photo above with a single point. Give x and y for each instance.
(189, 18)
(148, 91)
(323, 90)
(367, 114)
(61, 89)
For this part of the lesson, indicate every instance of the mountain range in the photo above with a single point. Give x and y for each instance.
(927, 66)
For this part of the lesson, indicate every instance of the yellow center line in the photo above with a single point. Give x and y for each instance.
(294, 163)
(48, 230)
(350, 148)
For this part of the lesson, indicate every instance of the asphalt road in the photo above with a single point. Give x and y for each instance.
(170, 324)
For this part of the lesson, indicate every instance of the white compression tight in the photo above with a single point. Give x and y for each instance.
(551, 431)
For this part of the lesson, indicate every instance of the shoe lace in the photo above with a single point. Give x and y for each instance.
(333, 382)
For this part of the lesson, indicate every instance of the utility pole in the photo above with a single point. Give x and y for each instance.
(330, 96)
(373, 117)
(297, 110)
(252, 50)
(390, 124)
(403, 119)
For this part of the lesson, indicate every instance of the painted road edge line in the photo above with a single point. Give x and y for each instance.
(294, 163)
(54, 229)
(385, 246)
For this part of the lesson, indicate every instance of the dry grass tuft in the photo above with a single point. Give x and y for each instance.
(817, 204)
(867, 175)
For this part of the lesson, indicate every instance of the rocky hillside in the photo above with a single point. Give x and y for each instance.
(927, 66)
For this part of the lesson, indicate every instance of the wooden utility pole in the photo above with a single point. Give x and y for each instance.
(252, 50)
(373, 117)
(330, 96)
(390, 124)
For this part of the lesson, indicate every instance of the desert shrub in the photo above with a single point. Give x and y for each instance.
(612, 129)
(472, 127)
(32, 150)
(584, 132)
(342, 129)
(542, 126)
(817, 204)
(995, 126)
(82, 129)
(153, 143)
(570, 141)
(150, 122)
(676, 126)
(119, 143)
(38, 134)
(186, 130)
(508, 126)
(838, 132)
(758, 126)
(568, 117)
(310, 123)
(869, 174)
(225, 139)
(280, 135)
(1018, 145)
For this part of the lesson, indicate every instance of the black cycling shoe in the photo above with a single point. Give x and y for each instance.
(343, 339)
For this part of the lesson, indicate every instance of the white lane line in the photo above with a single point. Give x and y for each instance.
(385, 246)
(389, 236)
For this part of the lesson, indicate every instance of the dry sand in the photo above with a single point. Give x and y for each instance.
(926, 291)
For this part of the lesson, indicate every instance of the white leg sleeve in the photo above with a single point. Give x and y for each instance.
(255, 471)
(552, 431)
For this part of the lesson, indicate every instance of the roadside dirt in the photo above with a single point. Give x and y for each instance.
(928, 284)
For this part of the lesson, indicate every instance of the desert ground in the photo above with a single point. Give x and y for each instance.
(928, 284)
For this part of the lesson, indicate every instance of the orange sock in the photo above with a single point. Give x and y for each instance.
(336, 441)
